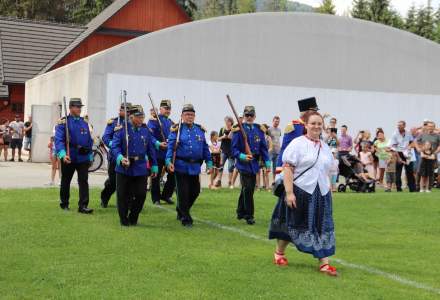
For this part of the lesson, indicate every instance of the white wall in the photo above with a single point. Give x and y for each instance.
(357, 109)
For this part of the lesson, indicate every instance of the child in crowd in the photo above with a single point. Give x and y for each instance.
(334, 170)
(426, 169)
(54, 161)
(390, 172)
(214, 148)
(262, 172)
(366, 157)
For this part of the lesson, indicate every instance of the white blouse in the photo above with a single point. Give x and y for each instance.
(301, 153)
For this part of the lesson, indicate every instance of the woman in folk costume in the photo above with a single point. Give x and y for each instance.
(303, 214)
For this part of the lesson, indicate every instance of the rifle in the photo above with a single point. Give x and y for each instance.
(66, 128)
(158, 119)
(247, 149)
(124, 93)
(178, 136)
(119, 106)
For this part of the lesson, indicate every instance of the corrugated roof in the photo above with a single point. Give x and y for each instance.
(92, 26)
(28, 46)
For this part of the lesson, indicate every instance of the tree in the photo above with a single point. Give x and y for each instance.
(246, 6)
(395, 19)
(380, 11)
(425, 22)
(437, 26)
(35, 9)
(411, 22)
(189, 6)
(213, 8)
(360, 9)
(327, 7)
(275, 5)
(230, 7)
(86, 10)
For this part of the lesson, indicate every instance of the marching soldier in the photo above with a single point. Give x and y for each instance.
(248, 164)
(73, 145)
(131, 165)
(160, 132)
(187, 149)
(295, 128)
(112, 125)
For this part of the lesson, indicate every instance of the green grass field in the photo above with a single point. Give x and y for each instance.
(386, 243)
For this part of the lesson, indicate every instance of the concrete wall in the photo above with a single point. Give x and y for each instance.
(367, 74)
(289, 49)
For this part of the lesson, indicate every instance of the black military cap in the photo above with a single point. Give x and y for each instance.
(75, 102)
(249, 110)
(188, 107)
(137, 110)
(307, 104)
(128, 106)
(165, 103)
(335, 130)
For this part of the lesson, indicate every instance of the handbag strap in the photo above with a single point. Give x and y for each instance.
(303, 172)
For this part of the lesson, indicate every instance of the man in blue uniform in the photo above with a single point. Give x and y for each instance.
(160, 139)
(76, 157)
(112, 125)
(248, 163)
(131, 170)
(190, 152)
(296, 127)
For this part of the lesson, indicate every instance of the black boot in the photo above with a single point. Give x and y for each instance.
(85, 210)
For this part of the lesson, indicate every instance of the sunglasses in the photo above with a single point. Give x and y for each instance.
(249, 115)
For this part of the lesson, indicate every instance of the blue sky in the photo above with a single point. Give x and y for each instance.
(400, 5)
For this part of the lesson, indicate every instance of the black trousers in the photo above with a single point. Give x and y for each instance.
(245, 207)
(188, 189)
(409, 170)
(110, 183)
(67, 171)
(131, 192)
(168, 189)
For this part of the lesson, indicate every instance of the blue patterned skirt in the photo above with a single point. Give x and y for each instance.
(309, 226)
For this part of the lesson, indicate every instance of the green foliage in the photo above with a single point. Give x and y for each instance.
(361, 9)
(327, 7)
(410, 21)
(43, 10)
(275, 5)
(425, 21)
(85, 10)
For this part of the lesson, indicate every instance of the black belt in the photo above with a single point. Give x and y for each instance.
(136, 158)
(190, 160)
(81, 149)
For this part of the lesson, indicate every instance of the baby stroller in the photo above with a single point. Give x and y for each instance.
(353, 171)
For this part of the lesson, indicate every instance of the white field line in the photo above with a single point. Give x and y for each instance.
(367, 269)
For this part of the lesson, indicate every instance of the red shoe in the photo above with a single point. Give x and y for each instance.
(328, 270)
(280, 260)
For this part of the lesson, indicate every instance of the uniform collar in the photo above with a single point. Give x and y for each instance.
(75, 118)
(135, 128)
(250, 126)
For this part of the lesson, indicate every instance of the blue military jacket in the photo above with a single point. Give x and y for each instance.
(153, 124)
(81, 141)
(140, 147)
(192, 149)
(109, 131)
(257, 144)
(293, 130)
